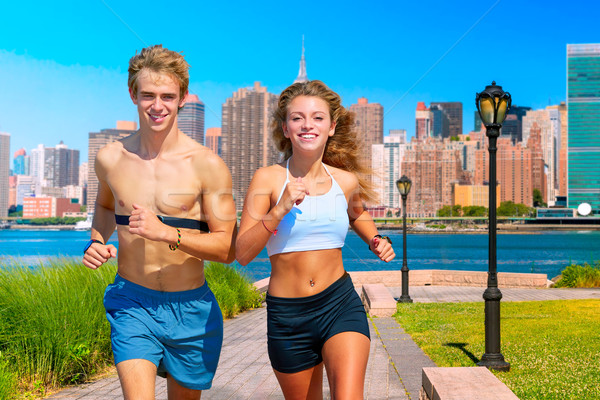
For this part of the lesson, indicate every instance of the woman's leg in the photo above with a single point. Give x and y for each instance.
(345, 356)
(307, 384)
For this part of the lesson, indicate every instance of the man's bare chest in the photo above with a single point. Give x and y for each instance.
(166, 188)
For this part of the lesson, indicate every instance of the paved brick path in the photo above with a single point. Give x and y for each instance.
(395, 361)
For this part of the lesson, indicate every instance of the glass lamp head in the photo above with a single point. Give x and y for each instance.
(493, 104)
(403, 184)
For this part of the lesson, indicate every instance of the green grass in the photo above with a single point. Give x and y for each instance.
(233, 290)
(553, 347)
(53, 328)
(578, 276)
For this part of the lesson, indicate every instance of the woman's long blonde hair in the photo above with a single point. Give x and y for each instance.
(342, 149)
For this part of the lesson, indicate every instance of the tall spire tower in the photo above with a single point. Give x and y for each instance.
(302, 73)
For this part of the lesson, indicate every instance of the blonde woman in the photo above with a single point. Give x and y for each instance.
(300, 209)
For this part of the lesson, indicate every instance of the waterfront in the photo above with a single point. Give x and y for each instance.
(545, 252)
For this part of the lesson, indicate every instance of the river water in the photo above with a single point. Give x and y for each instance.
(545, 252)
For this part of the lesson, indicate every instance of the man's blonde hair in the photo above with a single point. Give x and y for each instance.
(161, 60)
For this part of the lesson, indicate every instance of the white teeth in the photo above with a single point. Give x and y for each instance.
(308, 136)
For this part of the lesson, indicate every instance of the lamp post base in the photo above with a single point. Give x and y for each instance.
(405, 299)
(494, 361)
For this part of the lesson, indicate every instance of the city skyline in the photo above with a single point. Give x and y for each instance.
(70, 64)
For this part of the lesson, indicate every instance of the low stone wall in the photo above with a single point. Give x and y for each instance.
(463, 383)
(438, 277)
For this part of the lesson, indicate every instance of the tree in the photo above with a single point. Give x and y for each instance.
(475, 211)
(510, 209)
(450, 211)
(445, 211)
(538, 200)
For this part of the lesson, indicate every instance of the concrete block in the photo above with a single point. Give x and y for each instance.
(378, 300)
(463, 383)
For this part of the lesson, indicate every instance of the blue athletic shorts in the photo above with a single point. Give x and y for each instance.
(180, 332)
(297, 328)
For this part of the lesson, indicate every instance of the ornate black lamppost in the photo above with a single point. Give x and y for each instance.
(493, 104)
(403, 185)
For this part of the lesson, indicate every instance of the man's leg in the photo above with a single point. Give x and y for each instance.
(138, 379)
(176, 391)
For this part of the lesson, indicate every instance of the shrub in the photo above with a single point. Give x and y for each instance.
(52, 325)
(577, 276)
(233, 289)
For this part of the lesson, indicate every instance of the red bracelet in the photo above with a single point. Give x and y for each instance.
(274, 232)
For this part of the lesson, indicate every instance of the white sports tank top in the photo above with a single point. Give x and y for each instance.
(318, 223)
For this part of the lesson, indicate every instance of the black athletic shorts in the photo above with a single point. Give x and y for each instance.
(298, 327)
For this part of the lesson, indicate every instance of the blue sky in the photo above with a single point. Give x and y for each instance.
(63, 65)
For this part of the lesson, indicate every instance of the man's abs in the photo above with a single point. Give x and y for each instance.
(155, 266)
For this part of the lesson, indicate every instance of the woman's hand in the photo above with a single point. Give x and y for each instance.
(382, 248)
(293, 194)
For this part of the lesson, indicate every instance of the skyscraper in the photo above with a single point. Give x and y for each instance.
(190, 119)
(96, 141)
(400, 134)
(387, 168)
(423, 120)
(66, 166)
(246, 139)
(433, 168)
(583, 113)
(561, 168)
(213, 140)
(546, 121)
(454, 112)
(302, 72)
(440, 124)
(21, 162)
(513, 124)
(520, 168)
(368, 121)
(4, 172)
(37, 167)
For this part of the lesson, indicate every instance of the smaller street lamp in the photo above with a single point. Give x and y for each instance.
(403, 184)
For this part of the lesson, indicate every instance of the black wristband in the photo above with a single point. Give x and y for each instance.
(91, 242)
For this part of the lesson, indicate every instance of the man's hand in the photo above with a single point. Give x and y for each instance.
(97, 254)
(146, 224)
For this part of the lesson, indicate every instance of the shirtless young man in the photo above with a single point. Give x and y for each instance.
(164, 319)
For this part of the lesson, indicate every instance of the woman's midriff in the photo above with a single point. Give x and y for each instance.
(304, 273)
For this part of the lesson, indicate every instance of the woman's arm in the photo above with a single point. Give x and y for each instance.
(362, 223)
(259, 219)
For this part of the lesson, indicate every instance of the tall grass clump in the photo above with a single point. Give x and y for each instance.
(233, 289)
(8, 381)
(578, 276)
(53, 329)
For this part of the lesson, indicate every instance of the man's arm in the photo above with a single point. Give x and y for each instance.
(218, 208)
(104, 223)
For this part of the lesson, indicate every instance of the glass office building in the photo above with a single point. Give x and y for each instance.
(583, 108)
